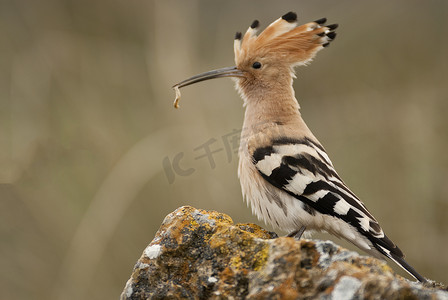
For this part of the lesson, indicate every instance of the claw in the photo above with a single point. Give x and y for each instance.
(297, 234)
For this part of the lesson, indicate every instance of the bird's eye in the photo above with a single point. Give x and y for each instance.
(256, 65)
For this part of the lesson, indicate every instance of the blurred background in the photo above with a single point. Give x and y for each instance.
(93, 155)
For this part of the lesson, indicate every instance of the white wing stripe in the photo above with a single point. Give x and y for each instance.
(299, 182)
(342, 207)
(269, 163)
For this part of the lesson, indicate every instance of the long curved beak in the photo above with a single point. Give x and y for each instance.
(224, 72)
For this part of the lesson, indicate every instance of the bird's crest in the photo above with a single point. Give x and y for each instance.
(284, 39)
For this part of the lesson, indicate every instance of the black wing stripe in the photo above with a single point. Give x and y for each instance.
(261, 153)
(316, 167)
(310, 163)
(316, 186)
(282, 174)
(305, 141)
(386, 243)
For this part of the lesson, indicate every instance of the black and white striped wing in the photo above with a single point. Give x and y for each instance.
(302, 169)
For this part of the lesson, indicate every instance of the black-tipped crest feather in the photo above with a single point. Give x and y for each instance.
(290, 17)
(255, 24)
(331, 35)
(321, 21)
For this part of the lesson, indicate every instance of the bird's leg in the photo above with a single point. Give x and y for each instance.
(297, 234)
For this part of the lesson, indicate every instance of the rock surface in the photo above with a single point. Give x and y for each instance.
(199, 254)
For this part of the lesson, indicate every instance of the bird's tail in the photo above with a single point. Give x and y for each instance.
(408, 268)
(386, 247)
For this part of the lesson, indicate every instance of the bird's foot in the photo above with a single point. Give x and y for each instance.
(297, 234)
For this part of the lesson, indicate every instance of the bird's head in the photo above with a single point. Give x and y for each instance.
(267, 60)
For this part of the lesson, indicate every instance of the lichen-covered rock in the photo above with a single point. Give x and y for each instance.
(199, 254)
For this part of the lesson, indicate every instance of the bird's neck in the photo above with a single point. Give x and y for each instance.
(271, 107)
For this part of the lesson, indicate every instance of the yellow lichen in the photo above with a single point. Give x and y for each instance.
(260, 258)
(235, 262)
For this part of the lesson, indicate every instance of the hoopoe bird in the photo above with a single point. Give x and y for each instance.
(286, 176)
